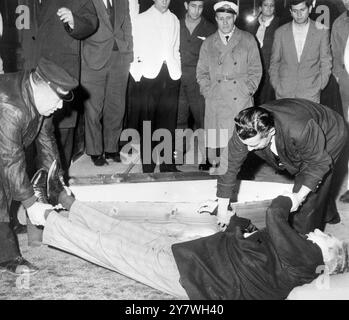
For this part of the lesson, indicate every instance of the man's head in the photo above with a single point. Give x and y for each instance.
(255, 127)
(226, 12)
(51, 86)
(300, 10)
(267, 8)
(334, 251)
(194, 9)
(162, 5)
(346, 4)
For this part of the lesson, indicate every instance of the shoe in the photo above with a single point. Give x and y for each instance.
(99, 161)
(344, 197)
(55, 183)
(19, 266)
(115, 156)
(39, 182)
(205, 166)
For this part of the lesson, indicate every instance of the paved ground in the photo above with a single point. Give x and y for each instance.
(64, 276)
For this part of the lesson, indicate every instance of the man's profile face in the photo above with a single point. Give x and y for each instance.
(194, 9)
(258, 142)
(300, 13)
(162, 5)
(268, 8)
(346, 4)
(225, 22)
(46, 100)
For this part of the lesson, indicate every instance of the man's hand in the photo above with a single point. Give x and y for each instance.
(223, 215)
(66, 16)
(36, 213)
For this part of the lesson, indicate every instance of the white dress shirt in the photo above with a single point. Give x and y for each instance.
(156, 40)
(300, 33)
(106, 4)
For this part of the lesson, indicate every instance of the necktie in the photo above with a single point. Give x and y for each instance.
(227, 39)
(110, 12)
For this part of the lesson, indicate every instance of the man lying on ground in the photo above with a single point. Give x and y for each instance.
(238, 263)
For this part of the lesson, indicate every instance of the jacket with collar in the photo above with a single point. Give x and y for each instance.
(20, 124)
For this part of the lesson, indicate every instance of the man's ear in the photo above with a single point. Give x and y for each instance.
(272, 131)
(186, 5)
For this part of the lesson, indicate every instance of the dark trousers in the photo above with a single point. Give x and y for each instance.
(105, 104)
(156, 101)
(8, 241)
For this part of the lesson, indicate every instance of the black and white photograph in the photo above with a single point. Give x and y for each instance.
(174, 151)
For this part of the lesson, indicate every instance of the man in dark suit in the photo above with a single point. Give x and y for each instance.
(106, 58)
(302, 137)
(56, 26)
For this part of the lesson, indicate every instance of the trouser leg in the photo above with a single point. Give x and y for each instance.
(312, 213)
(93, 83)
(166, 116)
(118, 245)
(9, 248)
(114, 104)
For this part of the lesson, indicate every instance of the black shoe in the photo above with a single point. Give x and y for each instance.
(19, 266)
(344, 197)
(115, 156)
(99, 161)
(205, 166)
(55, 184)
(39, 182)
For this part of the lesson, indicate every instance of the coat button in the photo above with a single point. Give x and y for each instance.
(234, 82)
(219, 62)
(219, 81)
(33, 38)
(235, 63)
(235, 99)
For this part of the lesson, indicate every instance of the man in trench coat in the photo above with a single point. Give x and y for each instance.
(229, 71)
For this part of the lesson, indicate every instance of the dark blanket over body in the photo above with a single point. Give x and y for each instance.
(266, 265)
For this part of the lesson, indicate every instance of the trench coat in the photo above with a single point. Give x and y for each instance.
(228, 76)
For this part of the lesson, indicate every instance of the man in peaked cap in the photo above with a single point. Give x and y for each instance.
(25, 98)
(228, 72)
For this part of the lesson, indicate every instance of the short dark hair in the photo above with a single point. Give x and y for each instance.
(251, 121)
(308, 3)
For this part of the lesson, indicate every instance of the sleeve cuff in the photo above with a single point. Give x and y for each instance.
(29, 202)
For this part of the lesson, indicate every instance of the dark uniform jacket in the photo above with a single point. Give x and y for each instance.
(309, 137)
(20, 123)
(266, 265)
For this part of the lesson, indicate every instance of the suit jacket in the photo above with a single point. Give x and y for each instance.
(148, 60)
(267, 265)
(97, 49)
(304, 79)
(48, 37)
(309, 138)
